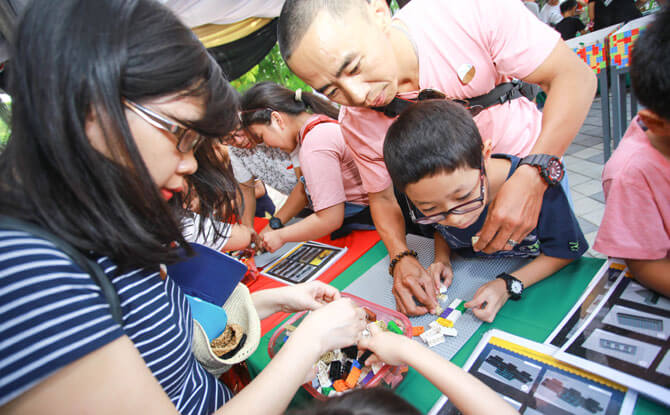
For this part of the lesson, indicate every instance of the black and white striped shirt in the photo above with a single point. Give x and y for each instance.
(52, 313)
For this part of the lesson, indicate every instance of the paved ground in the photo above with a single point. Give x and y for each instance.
(584, 163)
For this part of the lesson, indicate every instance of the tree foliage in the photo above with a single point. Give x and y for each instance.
(271, 68)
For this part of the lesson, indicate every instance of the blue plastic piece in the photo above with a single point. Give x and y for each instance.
(212, 318)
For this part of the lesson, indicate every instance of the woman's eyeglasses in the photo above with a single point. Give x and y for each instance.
(461, 209)
(187, 138)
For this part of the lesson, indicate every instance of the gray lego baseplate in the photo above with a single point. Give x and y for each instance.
(469, 274)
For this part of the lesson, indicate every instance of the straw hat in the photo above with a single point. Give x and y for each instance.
(240, 310)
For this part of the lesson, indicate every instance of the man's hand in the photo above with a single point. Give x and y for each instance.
(441, 273)
(488, 300)
(410, 280)
(514, 212)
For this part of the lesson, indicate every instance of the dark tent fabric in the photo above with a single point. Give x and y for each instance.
(236, 58)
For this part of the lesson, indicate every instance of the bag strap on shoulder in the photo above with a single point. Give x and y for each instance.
(86, 264)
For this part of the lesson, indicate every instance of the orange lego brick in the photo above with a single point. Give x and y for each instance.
(340, 385)
(417, 330)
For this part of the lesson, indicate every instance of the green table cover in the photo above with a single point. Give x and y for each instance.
(543, 307)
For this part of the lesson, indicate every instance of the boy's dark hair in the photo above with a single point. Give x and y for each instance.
(261, 99)
(297, 16)
(375, 401)
(74, 58)
(428, 138)
(568, 5)
(650, 65)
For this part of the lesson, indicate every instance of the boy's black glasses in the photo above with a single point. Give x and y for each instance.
(187, 138)
(461, 209)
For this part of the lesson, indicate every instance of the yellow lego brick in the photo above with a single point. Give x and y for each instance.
(444, 322)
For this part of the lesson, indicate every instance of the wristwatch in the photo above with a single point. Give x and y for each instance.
(550, 167)
(275, 223)
(514, 285)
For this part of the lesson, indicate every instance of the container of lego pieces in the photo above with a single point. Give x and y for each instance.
(340, 374)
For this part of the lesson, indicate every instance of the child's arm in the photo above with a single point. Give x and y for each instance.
(652, 274)
(240, 238)
(296, 201)
(440, 269)
(314, 226)
(248, 193)
(494, 293)
(466, 392)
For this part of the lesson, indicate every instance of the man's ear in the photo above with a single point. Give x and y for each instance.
(656, 124)
(380, 13)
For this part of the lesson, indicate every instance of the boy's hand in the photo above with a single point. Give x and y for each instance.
(441, 273)
(385, 345)
(514, 211)
(308, 296)
(488, 300)
(272, 240)
(410, 280)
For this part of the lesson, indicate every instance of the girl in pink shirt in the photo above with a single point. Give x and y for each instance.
(304, 125)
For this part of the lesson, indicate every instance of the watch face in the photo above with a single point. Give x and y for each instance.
(554, 170)
(275, 223)
(516, 287)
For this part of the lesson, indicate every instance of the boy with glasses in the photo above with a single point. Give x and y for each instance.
(435, 156)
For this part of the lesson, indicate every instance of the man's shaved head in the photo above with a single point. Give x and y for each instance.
(297, 16)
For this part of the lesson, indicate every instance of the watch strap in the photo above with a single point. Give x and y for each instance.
(509, 280)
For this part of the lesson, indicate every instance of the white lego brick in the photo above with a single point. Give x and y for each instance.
(376, 367)
(449, 331)
(454, 316)
(435, 341)
(443, 289)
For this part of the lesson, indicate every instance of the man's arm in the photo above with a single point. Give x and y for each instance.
(570, 87)
(410, 279)
(652, 274)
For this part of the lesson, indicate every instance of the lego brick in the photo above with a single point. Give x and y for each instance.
(461, 307)
(376, 367)
(335, 370)
(367, 378)
(417, 330)
(454, 316)
(443, 289)
(393, 326)
(435, 341)
(445, 323)
(327, 390)
(370, 316)
(340, 385)
(354, 374)
(366, 354)
(351, 351)
(446, 312)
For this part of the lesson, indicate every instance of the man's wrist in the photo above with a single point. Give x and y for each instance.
(395, 260)
(533, 175)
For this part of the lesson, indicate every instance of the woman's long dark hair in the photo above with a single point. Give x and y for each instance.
(75, 58)
(261, 99)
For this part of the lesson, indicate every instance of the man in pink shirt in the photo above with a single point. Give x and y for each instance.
(636, 180)
(353, 52)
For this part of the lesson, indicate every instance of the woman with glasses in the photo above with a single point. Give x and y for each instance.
(110, 100)
(304, 125)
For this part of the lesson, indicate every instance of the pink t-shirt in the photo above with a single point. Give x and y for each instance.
(329, 168)
(636, 182)
(502, 39)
